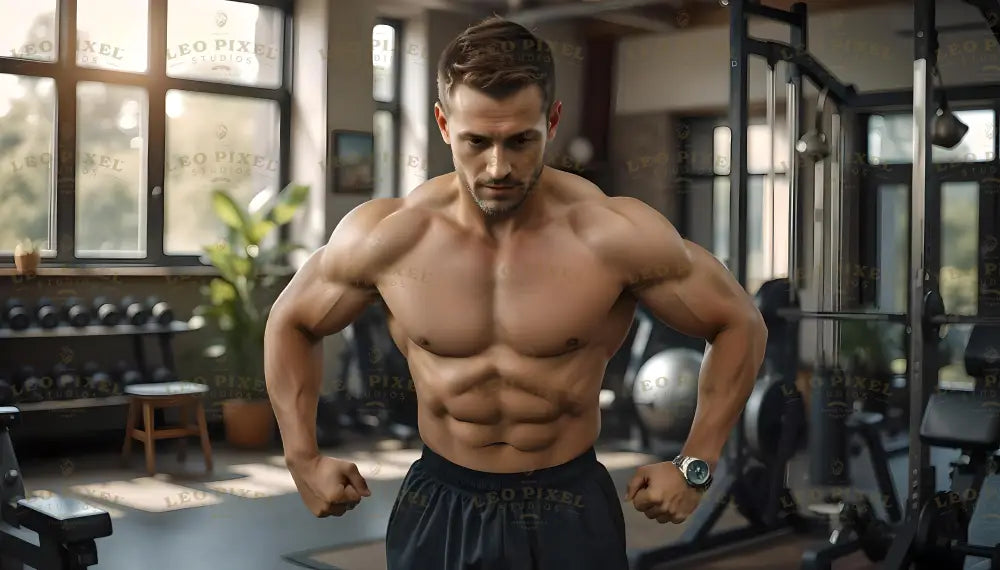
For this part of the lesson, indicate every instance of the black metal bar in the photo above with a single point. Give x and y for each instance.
(156, 151)
(924, 196)
(807, 64)
(791, 18)
(903, 99)
(65, 197)
(796, 314)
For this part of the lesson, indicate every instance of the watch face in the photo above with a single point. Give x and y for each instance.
(697, 472)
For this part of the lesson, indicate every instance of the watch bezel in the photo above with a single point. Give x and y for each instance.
(687, 472)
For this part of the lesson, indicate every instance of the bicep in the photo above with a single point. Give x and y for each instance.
(322, 298)
(700, 299)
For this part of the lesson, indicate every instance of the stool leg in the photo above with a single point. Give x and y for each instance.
(206, 445)
(147, 417)
(182, 441)
(133, 415)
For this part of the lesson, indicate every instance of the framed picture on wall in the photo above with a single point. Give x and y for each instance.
(351, 162)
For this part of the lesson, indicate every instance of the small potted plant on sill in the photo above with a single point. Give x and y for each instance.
(239, 300)
(27, 257)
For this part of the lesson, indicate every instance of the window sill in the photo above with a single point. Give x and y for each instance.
(129, 271)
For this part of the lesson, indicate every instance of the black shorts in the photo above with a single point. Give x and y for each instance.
(448, 517)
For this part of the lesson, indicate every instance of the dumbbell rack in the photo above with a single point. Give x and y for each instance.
(164, 334)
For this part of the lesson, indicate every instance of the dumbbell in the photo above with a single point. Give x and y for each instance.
(32, 388)
(46, 314)
(107, 313)
(162, 374)
(66, 382)
(97, 383)
(6, 390)
(16, 315)
(127, 375)
(135, 312)
(76, 313)
(160, 310)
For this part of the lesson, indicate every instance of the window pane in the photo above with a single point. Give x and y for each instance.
(118, 41)
(28, 29)
(960, 247)
(720, 218)
(27, 150)
(111, 170)
(385, 155)
(893, 256)
(890, 139)
(383, 58)
(226, 42)
(214, 142)
(723, 150)
(959, 280)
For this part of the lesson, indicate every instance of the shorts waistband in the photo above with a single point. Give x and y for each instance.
(463, 477)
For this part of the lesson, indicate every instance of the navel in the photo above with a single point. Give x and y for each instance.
(573, 342)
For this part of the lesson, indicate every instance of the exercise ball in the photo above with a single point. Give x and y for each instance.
(665, 392)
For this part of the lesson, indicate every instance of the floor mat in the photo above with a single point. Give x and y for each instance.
(363, 556)
(260, 480)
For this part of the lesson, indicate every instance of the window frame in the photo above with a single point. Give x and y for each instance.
(394, 106)
(67, 75)
(871, 182)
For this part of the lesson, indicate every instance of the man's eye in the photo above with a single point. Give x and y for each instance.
(477, 142)
(521, 141)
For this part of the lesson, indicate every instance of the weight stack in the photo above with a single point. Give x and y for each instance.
(829, 406)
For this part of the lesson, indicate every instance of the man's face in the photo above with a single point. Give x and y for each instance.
(498, 146)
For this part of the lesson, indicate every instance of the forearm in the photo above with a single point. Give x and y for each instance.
(728, 373)
(293, 371)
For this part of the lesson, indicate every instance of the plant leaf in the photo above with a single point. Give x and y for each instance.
(228, 211)
(259, 230)
(287, 204)
(221, 291)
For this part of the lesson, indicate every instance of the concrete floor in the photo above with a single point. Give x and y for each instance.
(247, 514)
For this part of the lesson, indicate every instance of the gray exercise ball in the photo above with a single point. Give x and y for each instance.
(665, 392)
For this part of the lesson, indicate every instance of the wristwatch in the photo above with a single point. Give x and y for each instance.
(695, 471)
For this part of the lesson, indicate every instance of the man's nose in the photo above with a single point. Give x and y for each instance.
(498, 167)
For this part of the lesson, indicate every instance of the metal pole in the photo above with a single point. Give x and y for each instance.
(798, 39)
(835, 234)
(767, 223)
(739, 85)
(921, 476)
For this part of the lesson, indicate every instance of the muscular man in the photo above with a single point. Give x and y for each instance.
(509, 285)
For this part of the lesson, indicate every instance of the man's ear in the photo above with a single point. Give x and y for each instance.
(442, 122)
(554, 114)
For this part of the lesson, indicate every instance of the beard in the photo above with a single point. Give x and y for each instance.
(499, 208)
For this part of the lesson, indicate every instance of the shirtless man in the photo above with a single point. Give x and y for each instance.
(528, 280)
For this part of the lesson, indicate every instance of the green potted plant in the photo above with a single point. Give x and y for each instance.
(239, 299)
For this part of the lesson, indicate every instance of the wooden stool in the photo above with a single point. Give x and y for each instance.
(148, 397)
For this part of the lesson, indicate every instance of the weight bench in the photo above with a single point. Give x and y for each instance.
(970, 422)
(66, 528)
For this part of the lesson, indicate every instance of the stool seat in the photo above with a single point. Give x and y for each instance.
(166, 389)
(144, 399)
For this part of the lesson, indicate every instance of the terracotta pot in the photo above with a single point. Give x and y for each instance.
(27, 263)
(249, 423)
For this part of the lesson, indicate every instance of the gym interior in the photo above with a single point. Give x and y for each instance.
(838, 156)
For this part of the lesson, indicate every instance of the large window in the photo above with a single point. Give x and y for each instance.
(959, 173)
(386, 90)
(119, 117)
(709, 147)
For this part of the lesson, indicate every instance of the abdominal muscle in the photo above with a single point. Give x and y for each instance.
(544, 414)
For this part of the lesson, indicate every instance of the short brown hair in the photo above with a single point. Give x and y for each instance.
(499, 58)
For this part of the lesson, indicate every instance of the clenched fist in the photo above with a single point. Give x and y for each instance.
(660, 492)
(328, 486)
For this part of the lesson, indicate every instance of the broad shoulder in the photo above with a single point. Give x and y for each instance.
(632, 237)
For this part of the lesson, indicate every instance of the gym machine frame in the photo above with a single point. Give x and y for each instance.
(925, 313)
